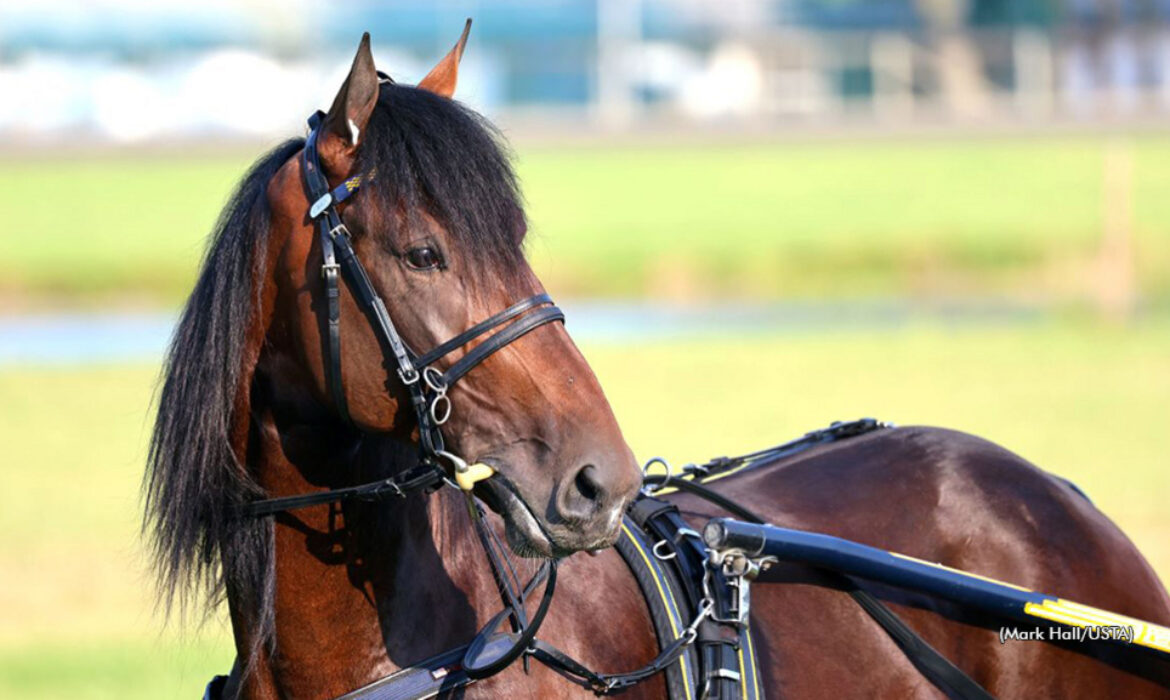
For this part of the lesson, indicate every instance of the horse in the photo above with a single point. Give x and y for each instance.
(276, 385)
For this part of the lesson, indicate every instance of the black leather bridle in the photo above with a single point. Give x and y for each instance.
(492, 650)
(426, 384)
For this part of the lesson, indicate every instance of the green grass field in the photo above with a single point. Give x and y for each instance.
(1085, 401)
(1017, 218)
(1014, 216)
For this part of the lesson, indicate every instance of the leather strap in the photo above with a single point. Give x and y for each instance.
(606, 684)
(937, 668)
(420, 478)
(480, 328)
(317, 186)
(707, 494)
(505, 337)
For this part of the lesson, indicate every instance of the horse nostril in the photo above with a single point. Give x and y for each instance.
(582, 497)
(587, 484)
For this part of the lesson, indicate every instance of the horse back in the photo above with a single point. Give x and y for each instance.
(953, 498)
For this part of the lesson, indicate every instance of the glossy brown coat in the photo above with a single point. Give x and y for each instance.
(342, 596)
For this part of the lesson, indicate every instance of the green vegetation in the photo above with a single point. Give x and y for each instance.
(1009, 217)
(1085, 401)
(984, 215)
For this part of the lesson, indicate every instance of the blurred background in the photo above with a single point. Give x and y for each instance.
(760, 216)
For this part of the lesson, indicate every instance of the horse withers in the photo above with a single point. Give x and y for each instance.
(282, 383)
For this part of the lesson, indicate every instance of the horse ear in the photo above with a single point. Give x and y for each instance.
(347, 118)
(442, 78)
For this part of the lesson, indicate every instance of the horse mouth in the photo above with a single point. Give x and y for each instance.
(525, 535)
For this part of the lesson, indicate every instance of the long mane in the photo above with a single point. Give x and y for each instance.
(429, 154)
(193, 480)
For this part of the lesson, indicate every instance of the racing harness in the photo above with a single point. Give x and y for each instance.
(700, 607)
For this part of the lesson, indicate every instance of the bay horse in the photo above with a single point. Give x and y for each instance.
(330, 597)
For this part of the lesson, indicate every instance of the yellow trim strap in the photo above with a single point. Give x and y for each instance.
(1066, 612)
(667, 597)
(716, 477)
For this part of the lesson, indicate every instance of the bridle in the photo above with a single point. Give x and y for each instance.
(428, 386)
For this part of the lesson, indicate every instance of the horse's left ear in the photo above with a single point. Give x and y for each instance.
(442, 78)
(347, 119)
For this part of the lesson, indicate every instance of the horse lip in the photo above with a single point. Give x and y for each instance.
(524, 531)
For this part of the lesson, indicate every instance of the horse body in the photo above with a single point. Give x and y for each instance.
(949, 497)
(329, 598)
(935, 494)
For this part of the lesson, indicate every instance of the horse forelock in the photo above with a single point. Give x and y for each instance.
(429, 154)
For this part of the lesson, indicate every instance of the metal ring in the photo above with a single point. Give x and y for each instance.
(435, 379)
(648, 489)
(446, 402)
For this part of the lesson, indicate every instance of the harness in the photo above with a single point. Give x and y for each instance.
(700, 605)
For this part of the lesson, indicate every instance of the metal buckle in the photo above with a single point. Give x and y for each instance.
(435, 379)
(408, 375)
(327, 268)
(440, 408)
(659, 555)
(393, 487)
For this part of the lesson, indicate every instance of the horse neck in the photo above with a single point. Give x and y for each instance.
(359, 590)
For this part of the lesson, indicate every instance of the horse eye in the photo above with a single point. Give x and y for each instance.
(424, 258)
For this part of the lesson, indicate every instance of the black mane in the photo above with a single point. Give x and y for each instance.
(428, 153)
